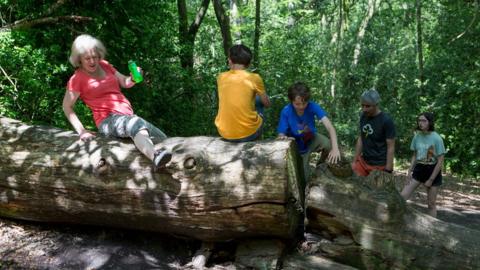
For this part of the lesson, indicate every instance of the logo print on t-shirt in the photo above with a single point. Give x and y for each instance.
(430, 154)
(305, 132)
(367, 130)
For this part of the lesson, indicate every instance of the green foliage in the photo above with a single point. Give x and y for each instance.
(31, 85)
(300, 41)
(454, 86)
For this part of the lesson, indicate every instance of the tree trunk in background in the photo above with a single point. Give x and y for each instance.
(211, 190)
(188, 33)
(224, 23)
(336, 43)
(256, 40)
(236, 21)
(361, 31)
(187, 36)
(419, 42)
(386, 233)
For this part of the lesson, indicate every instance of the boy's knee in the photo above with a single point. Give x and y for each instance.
(322, 142)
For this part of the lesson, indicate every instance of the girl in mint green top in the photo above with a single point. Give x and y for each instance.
(427, 161)
(427, 146)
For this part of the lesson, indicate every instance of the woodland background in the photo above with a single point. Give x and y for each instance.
(420, 55)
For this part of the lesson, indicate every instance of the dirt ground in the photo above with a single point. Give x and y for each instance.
(26, 245)
(458, 201)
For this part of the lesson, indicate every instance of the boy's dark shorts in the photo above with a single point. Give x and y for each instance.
(422, 172)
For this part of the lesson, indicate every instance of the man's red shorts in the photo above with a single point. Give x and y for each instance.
(361, 168)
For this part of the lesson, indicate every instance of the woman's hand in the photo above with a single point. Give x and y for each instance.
(429, 183)
(86, 135)
(140, 70)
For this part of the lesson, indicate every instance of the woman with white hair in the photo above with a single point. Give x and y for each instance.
(97, 84)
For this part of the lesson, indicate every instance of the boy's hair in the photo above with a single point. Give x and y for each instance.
(81, 45)
(299, 89)
(430, 118)
(240, 54)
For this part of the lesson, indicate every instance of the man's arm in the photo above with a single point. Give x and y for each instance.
(390, 154)
(358, 150)
(358, 147)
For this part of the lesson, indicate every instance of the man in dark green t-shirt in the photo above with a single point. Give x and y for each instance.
(376, 144)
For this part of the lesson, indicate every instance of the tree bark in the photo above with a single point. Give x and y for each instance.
(336, 39)
(26, 24)
(236, 21)
(385, 230)
(295, 261)
(472, 23)
(224, 23)
(418, 5)
(256, 40)
(362, 30)
(43, 18)
(211, 190)
(188, 33)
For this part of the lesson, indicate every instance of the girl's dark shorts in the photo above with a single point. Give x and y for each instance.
(422, 172)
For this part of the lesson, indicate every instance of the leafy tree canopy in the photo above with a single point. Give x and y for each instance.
(419, 56)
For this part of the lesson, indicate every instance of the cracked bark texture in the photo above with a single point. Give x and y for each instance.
(211, 190)
(385, 233)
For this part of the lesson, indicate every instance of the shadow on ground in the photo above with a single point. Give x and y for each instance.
(31, 246)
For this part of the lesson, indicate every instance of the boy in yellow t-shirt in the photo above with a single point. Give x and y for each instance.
(238, 91)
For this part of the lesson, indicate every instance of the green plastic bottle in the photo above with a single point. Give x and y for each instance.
(136, 75)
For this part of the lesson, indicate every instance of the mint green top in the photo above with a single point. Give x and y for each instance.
(427, 146)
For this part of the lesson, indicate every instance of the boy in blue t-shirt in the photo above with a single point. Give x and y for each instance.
(297, 120)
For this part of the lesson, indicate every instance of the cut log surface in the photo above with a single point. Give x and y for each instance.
(372, 212)
(211, 190)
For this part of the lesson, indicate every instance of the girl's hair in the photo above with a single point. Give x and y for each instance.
(81, 45)
(298, 89)
(430, 118)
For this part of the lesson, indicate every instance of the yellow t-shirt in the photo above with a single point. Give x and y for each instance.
(237, 117)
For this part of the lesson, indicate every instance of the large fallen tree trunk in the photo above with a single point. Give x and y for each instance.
(386, 232)
(211, 190)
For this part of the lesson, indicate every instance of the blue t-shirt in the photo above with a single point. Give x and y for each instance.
(302, 128)
(427, 146)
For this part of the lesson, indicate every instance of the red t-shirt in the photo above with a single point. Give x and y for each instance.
(102, 96)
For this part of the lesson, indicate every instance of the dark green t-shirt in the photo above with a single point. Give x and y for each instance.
(374, 132)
